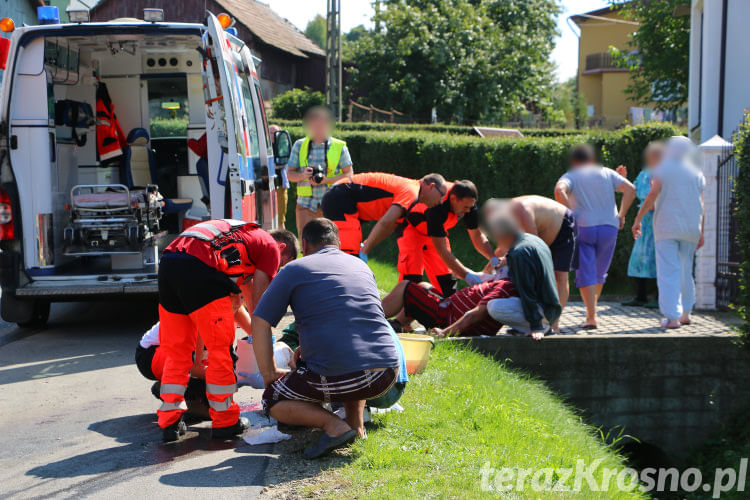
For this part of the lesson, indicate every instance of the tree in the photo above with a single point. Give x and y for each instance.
(316, 31)
(659, 55)
(348, 39)
(565, 107)
(470, 60)
(292, 105)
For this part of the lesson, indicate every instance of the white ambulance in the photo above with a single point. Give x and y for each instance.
(114, 137)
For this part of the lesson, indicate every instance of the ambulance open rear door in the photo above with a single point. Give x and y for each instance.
(232, 188)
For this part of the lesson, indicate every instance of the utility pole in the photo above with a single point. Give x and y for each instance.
(333, 57)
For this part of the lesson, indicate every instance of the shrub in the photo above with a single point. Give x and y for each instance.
(292, 105)
(500, 167)
(742, 194)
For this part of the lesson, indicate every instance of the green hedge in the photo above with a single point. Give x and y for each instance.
(500, 167)
(742, 193)
(437, 128)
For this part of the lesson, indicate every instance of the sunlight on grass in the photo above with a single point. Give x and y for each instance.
(464, 411)
(385, 274)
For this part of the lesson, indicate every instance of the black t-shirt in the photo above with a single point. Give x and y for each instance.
(440, 219)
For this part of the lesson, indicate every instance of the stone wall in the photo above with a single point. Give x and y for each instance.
(667, 390)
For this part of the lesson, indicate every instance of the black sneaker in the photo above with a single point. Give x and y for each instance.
(231, 432)
(175, 431)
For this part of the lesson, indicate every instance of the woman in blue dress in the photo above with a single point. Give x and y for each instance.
(642, 264)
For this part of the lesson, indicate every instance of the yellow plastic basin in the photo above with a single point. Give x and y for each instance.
(416, 350)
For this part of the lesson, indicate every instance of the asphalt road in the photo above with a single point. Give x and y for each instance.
(78, 420)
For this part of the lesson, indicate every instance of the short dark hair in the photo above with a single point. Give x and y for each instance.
(321, 232)
(582, 153)
(318, 112)
(288, 239)
(436, 179)
(464, 189)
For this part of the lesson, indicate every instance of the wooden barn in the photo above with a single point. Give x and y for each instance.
(289, 58)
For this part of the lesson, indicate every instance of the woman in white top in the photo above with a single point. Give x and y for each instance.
(677, 199)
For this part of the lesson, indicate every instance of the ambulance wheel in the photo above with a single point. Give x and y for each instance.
(39, 315)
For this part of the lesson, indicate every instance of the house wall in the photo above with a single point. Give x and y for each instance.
(705, 75)
(21, 11)
(604, 88)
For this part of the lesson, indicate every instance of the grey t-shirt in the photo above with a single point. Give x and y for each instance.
(340, 319)
(593, 191)
(678, 211)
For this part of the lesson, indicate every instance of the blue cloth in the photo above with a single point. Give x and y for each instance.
(402, 375)
(336, 304)
(596, 246)
(593, 189)
(674, 263)
(642, 263)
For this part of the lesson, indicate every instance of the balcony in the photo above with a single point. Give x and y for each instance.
(601, 62)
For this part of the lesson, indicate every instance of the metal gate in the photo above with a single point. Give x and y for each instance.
(727, 244)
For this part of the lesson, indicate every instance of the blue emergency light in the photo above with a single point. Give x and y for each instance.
(48, 14)
(231, 30)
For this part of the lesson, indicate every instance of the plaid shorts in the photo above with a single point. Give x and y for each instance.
(304, 384)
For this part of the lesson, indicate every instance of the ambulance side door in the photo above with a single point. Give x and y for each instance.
(225, 132)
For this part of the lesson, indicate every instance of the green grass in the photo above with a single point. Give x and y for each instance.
(385, 274)
(463, 412)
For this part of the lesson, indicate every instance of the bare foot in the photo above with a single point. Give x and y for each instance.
(670, 325)
(685, 320)
(336, 427)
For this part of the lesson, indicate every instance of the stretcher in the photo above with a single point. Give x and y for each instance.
(110, 218)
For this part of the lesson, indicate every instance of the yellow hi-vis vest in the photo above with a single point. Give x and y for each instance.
(334, 148)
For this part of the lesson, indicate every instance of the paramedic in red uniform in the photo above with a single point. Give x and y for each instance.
(199, 274)
(376, 196)
(423, 244)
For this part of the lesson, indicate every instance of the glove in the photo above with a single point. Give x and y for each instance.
(494, 262)
(362, 255)
(473, 278)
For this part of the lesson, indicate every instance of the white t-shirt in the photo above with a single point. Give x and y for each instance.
(678, 211)
(151, 337)
(593, 195)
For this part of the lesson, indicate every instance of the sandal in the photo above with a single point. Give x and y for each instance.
(586, 326)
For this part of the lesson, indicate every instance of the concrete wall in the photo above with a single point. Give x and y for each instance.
(668, 390)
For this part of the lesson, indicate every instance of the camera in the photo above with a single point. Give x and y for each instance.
(318, 173)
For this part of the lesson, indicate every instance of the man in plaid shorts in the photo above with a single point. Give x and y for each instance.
(317, 149)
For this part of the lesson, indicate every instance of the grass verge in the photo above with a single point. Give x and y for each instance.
(463, 412)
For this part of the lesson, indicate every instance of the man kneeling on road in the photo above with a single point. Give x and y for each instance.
(463, 313)
(346, 351)
(531, 271)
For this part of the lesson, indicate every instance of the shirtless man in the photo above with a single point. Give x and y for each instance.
(555, 225)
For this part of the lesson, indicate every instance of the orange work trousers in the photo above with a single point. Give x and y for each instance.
(417, 255)
(177, 336)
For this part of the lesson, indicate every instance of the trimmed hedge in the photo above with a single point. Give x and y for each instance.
(742, 194)
(437, 128)
(500, 167)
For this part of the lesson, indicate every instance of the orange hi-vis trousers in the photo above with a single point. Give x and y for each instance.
(195, 298)
(417, 255)
(178, 335)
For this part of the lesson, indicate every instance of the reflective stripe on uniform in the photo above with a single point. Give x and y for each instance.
(196, 234)
(221, 389)
(172, 389)
(221, 405)
(181, 405)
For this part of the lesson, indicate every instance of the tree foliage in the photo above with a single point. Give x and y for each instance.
(658, 54)
(316, 30)
(292, 105)
(470, 60)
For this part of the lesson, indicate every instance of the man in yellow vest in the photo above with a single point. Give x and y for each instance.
(317, 150)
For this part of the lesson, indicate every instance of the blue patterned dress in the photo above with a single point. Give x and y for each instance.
(642, 262)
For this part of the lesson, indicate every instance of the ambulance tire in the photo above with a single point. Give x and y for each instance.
(33, 313)
(40, 315)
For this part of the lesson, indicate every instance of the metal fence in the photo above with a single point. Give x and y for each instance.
(727, 243)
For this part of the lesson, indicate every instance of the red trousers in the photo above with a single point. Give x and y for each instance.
(417, 255)
(178, 335)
